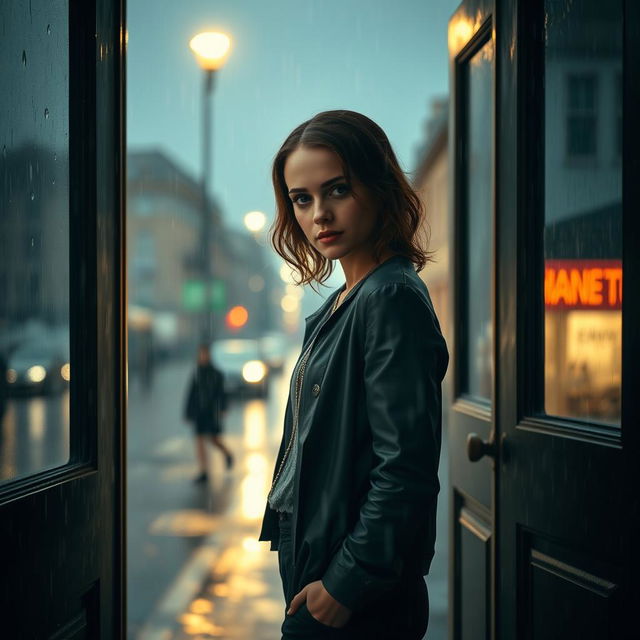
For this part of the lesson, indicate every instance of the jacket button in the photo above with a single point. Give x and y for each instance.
(315, 389)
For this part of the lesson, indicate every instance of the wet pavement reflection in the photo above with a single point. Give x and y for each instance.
(196, 568)
(34, 435)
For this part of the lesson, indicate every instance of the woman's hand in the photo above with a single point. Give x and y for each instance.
(321, 605)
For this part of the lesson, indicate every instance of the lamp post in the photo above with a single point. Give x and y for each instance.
(211, 50)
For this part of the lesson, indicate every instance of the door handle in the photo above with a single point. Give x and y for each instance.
(478, 448)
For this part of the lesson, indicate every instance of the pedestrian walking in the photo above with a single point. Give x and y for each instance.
(205, 407)
(352, 506)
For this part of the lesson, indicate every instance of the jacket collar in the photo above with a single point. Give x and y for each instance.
(328, 303)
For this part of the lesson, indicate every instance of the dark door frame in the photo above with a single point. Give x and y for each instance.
(63, 530)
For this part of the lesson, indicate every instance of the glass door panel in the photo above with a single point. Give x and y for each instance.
(583, 210)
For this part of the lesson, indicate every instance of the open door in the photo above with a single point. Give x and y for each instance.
(62, 337)
(568, 371)
(544, 427)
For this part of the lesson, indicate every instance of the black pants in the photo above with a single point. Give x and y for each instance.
(401, 614)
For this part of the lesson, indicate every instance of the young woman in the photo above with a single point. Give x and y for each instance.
(352, 506)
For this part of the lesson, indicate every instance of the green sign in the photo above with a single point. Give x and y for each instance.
(194, 295)
(218, 295)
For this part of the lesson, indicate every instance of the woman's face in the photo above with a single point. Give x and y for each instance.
(336, 217)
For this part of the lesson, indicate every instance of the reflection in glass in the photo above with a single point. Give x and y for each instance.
(479, 223)
(34, 238)
(583, 209)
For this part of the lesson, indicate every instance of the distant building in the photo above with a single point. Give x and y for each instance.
(163, 226)
(34, 238)
(252, 280)
(164, 205)
(431, 181)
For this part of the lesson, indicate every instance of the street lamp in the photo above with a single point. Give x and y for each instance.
(211, 50)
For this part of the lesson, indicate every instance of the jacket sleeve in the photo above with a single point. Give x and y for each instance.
(405, 359)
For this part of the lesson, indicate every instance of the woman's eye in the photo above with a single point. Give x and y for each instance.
(301, 199)
(340, 190)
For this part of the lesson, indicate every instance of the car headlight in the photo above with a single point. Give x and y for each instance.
(37, 373)
(65, 372)
(12, 376)
(254, 371)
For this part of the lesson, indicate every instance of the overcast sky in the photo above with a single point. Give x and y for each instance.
(289, 60)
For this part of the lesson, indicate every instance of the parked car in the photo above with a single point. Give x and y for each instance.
(242, 362)
(38, 367)
(274, 349)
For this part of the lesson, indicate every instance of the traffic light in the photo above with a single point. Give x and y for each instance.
(236, 317)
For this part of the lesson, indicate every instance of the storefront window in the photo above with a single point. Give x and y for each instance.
(583, 210)
(479, 225)
(34, 238)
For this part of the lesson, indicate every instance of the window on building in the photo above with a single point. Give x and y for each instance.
(581, 116)
(617, 109)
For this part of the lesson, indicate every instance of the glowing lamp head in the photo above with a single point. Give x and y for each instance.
(211, 49)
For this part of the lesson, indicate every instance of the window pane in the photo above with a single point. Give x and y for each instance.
(479, 225)
(34, 238)
(583, 210)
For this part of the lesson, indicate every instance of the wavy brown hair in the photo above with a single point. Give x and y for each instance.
(366, 154)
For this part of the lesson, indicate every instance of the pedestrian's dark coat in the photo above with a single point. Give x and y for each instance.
(370, 433)
(206, 398)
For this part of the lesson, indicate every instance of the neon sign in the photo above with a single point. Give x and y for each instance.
(583, 284)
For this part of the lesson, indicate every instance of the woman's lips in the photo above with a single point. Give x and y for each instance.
(330, 238)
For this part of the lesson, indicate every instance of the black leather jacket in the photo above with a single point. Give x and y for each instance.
(370, 432)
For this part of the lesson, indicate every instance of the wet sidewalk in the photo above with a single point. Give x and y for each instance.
(229, 588)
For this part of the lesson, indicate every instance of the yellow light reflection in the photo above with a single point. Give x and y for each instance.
(227, 561)
(8, 450)
(244, 586)
(36, 419)
(253, 490)
(220, 590)
(462, 28)
(255, 425)
(201, 606)
(256, 463)
(460, 31)
(189, 522)
(252, 545)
